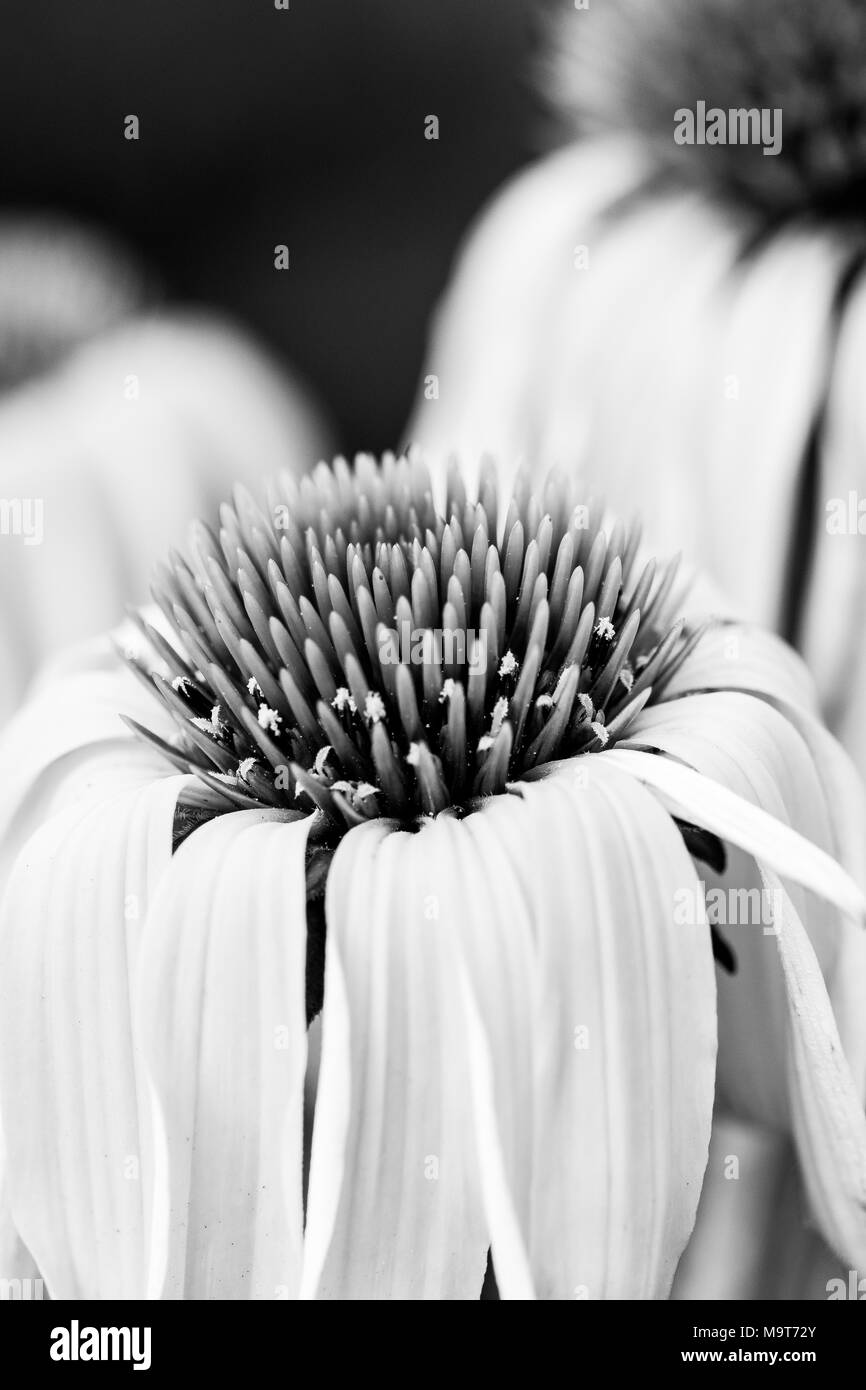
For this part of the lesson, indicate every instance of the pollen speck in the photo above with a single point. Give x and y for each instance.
(448, 687)
(269, 719)
(374, 707)
(343, 700)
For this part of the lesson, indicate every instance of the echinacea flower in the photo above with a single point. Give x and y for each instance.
(471, 863)
(106, 455)
(683, 324)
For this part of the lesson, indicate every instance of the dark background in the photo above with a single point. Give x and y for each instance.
(261, 126)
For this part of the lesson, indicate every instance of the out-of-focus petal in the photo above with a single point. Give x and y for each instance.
(832, 634)
(719, 347)
(108, 458)
(508, 288)
(221, 1014)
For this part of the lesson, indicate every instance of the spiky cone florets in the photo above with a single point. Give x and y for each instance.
(626, 66)
(351, 649)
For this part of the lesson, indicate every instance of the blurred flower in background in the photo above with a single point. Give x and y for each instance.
(116, 424)
(685, 326)
(59, 286)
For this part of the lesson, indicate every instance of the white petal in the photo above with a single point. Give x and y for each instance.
(625, 1038)
(210, 410)
(590, 1032)
(394, 1209)
(69, 718)
(829, 1122)
(736, 657)
(77, 1137)
(707, 803)
(221, 1012)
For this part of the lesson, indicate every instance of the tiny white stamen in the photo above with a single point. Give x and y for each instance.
(365, 789)
(246, 765)
(413, 757)
(500, 710)
(544, 702)
(180, 684)
(269, 719)
(509, 665)
(484, 743)
(600, 732)
(586, 702)
(344, 700)
(374, 707)
(605, 628)
(448, 688)
(209, 726)
(626, 677)
(321, 758)
(254, 688)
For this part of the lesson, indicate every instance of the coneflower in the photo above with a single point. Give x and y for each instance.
(624, 67)
(474, 867)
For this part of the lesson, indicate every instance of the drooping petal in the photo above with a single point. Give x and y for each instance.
(394, 1209)
(588, 1030)
(625, 1040)
(829, 1122)
(786, 764)
(491, 919)
(740, 657)
(74, 1120)
(221, 1011)
(710, 804)
(766, 760)
(845, 807)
